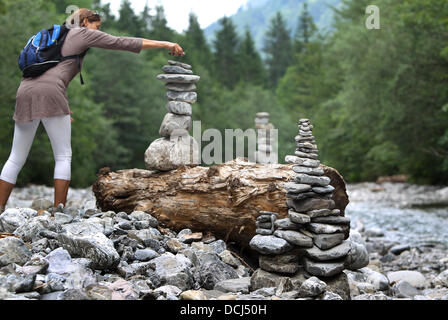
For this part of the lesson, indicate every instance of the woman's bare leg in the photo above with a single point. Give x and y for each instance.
(60, 191)
(5, 192)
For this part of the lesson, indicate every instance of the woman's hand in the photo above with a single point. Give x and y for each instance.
(175, 49)
(71, 119)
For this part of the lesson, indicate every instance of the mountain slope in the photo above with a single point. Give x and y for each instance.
(257, 14)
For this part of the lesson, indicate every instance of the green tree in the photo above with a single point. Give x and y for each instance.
(251, 66)
(278, 49)
(306, 29)
(226, 43)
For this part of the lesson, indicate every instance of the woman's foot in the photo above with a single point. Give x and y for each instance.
(60, 208)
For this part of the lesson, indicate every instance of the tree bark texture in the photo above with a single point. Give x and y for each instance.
(223, 199)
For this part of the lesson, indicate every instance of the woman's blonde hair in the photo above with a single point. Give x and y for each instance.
(77, 18)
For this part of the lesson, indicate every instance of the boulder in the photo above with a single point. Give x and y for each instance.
(87, 240)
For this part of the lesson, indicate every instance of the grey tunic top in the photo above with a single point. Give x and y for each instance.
(46, 96)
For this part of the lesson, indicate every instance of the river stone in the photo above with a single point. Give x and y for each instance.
(312, 287)
(13, 218)
(323, 269)
(264, 279)
(415, 278)
(87, 240)
(325, 228)
(145, 254)
(212, 271)
(178, 78)
(193, 295)
(234, 285)
(172, 69)
(441, 279)
(328, 241)
(166, 155)
(263, 225)
(312, 180)
(261, 120)
(334, 253)
(323, 190)
(323, 213)
(403, 289)
(37, 264)
(269, 245)
(286, 224)
(307, 145)
(264, 232)
(302, 162)
(188, 97)
(332, 220)
(310, 204)
(173, 270)
(300, 196)
(284, 263)
(174, 124)
(307, 170)
(179, 108)
(13, 250)
(181, 87)
(41, 204)
(294, 237)
(358, 256)
(298, 218)
(306, 155)
(180, 64)
(268, 213)
(17, 283)
(264, 218)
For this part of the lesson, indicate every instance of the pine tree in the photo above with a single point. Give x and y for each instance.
(129, 22)
(159, 26)
(278, 49)
(196, 46)
(306, 29)
(251, 66)
(226, 43)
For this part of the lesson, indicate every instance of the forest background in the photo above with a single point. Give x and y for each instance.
(378, 99)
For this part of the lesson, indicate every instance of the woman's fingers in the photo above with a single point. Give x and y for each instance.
(177, 50)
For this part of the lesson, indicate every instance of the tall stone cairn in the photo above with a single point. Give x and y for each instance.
(265, 140)
(314, 235)
(176, 148)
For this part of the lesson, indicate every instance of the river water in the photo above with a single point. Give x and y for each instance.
(405, 213)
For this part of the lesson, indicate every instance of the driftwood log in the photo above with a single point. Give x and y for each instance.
(223, 199)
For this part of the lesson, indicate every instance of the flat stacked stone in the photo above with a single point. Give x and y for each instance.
(176, 148)
(266, 151)
(309, 199)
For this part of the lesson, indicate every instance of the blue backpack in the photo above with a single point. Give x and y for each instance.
(43, 52)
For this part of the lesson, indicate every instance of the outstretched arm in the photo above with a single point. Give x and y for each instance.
(175, 49)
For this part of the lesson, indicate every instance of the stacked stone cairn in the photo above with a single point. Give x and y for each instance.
(176, 148)
(266, 153)
(314, 235)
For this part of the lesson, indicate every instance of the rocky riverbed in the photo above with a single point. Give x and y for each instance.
(83, 253)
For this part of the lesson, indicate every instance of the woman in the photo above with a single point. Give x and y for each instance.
(45, 99)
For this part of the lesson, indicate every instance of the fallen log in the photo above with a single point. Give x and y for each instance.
(223, 199)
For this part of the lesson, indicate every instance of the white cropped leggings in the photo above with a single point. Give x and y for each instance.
(59, 131)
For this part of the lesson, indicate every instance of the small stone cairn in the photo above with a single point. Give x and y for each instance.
(265, 140)
(176, 148)
(314, 235)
